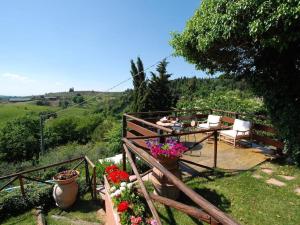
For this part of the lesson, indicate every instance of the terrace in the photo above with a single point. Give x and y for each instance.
(206, 153)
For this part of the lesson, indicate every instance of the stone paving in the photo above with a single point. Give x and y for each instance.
(275, 182)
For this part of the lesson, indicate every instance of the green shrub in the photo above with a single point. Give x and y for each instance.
(19, 139)
(76, 128)
(13, 203)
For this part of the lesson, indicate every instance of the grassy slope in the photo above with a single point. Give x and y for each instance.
(245, 198)
(9, 111)
(27, 218)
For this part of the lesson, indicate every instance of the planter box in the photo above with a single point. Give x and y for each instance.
(112, 217)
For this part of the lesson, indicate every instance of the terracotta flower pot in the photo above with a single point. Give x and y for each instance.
(162, 185)
(65, 191)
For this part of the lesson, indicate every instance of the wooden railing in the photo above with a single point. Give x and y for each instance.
(207, 212)
(143, 124)
(23, 175)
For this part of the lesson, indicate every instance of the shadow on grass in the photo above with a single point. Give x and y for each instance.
(215, 198)
(169, 218)
(84, 206)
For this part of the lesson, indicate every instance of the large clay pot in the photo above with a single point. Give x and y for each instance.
(162, 185)
(65, 192)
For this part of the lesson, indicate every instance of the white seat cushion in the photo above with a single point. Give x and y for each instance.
(234, 133)
(241, 125)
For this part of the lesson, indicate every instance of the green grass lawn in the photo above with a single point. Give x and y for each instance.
(247, 199)
(84, 209)
(9, 111)
(27, 218)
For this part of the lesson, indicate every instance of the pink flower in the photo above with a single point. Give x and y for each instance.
(170, 149)
(153, 222)
(135, 220)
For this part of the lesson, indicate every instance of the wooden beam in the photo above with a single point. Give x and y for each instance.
(141, 183)
(141, 130)
(190, 210)
(194, 196)
(21, 185)
(168, 111)
(215, 148)
(137, 139)
(227, 119)
(261, 127)
(8, 183)
(268, 141)
(89, 161)
(150, 124)
(134, 137)
(37, 180)
(41, 168)
(94, 184)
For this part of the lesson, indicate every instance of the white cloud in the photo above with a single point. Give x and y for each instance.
(17, 77)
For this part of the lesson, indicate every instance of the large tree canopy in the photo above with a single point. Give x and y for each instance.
(255, 39)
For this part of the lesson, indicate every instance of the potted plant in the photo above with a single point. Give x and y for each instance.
(123, 204)
(66, 188)
(167, 154)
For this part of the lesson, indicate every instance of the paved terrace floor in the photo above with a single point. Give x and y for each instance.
(228, 157)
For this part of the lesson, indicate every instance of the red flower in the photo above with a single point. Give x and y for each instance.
(118, 176)
(111, 168)
(123, 206)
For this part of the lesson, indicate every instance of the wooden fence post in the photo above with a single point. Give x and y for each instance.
(94, 184)
(215, 148)
(21, 185)
(87, 176)
(124, 134)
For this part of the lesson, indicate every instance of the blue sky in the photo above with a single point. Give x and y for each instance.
(51, 45)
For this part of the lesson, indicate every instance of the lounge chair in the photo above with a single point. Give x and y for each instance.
(213, 121)
(241, 130)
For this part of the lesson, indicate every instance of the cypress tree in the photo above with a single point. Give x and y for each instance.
(139, 85)
(159, 95)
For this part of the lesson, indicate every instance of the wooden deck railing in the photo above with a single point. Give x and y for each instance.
(21, 176)
(143, 124)
(207, 212)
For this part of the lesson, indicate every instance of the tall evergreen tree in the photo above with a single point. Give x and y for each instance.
(159, 95)
(139, 85)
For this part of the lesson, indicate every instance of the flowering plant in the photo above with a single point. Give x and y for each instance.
(111, 168)
(169, 149)
(118, 176)
(130, 207)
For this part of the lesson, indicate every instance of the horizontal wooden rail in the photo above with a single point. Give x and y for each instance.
(37, 180)
(8, 183)
(200, 201)
(20, 175)
(190, 210)
(168, 111)
(148, 123)
(141, 130)
(178, 134)
(89, 161)
(41, 168)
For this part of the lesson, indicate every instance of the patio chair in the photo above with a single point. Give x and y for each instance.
(213, 121)
(241, 130)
